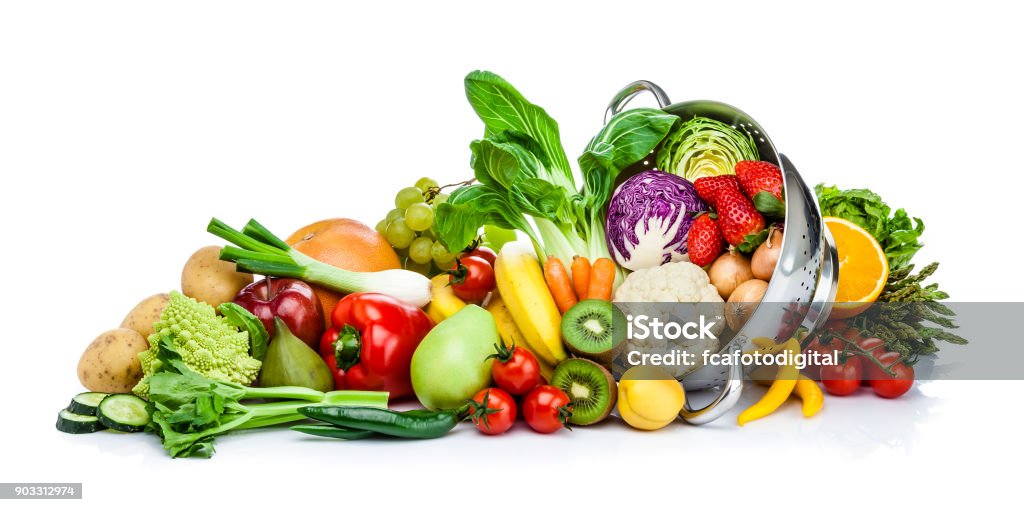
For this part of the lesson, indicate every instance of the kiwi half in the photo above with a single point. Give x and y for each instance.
(588, 329)
(590, 387)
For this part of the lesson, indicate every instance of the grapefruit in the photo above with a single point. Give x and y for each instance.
(347, 244)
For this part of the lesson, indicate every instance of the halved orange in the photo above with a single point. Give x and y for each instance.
(863, 268)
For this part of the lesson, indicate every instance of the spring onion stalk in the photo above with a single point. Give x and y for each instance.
(259, 251)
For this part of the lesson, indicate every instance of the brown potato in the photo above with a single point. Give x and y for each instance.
(208, 279)
(145, 314)
(110, 364)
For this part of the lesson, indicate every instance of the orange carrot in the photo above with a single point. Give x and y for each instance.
(559, 284)
(602, 276)
(581, 276)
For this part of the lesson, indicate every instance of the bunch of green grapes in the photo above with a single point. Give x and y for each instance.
(409, 228)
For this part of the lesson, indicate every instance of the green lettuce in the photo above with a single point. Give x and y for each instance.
(896, 232)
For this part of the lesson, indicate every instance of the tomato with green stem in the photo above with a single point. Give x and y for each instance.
(843, 378)
(486, 253)
(492, 410)
(547, 409)
(515, 369)
(889, 377)
(472, 278)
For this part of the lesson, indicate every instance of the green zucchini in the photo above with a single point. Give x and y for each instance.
(123, 412)
(73, 423)
(86, 403)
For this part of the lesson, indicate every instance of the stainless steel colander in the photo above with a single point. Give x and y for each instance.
(803, 287)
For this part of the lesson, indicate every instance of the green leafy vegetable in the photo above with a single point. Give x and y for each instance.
(897, 234)
(705, 147)
(188, 409)
(907, 315)
(524, 181)
(241, 318)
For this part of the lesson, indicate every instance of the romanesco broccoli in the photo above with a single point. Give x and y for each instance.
(208, 344)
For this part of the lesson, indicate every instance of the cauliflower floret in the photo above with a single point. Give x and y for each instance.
(678, 292)
(208, 344)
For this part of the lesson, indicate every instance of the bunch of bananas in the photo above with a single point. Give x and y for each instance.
(522, 306)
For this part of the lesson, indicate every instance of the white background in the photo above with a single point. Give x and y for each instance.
(124, 126)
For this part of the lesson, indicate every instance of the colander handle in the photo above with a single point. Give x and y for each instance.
(725, 400)
(631, 91)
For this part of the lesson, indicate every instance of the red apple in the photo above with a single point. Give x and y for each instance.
(292, 300)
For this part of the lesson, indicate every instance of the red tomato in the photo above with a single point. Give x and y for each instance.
(516, 371)
(870, 344)
(886, 385)
(842, 379)
(872, 370)
(493, 411)
(546, 409)
(486, 253)
(472, 278)
(813, 371)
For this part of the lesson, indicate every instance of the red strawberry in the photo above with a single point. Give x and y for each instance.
(755, 176)
(704, 241)
(737, 217)
(709, 186)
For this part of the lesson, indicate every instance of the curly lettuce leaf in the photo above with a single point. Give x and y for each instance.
(898, 235)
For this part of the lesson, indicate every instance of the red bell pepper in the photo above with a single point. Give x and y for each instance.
(371, 342)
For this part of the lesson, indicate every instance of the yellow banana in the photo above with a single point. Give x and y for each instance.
(443, 303)
(511, 335)
(525, 293)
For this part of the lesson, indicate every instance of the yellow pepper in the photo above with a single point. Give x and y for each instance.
(785, 381)
(810, 394)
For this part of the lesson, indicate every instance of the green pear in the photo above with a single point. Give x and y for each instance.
(450, 365)
(290, 362)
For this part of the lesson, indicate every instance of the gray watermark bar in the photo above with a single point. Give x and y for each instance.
(40, 491)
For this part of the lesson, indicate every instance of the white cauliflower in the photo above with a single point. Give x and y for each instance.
(679, 281)
(678, 292)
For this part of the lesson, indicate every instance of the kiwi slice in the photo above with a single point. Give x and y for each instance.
(587, 329)
(590, 387)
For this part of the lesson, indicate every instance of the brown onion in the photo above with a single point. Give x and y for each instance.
(743, 302)
(762, 264)
(728, 271)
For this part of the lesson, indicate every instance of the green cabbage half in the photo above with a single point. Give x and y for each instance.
(705, 147)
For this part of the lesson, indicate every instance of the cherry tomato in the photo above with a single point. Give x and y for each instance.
(874, 346)
(472, 278)
(546, 409)
(816, 345)
(493, 411)
(515, 370)
(872, 370)
(886, 385)
(842, 379)
(486, 253)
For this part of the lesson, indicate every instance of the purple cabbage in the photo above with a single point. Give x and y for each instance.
(648, 218)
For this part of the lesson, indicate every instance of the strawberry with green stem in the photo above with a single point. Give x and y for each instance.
(762, 183)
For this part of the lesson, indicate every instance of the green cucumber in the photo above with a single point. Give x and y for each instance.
(123, 412)
(73, 423)
(86, 403)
